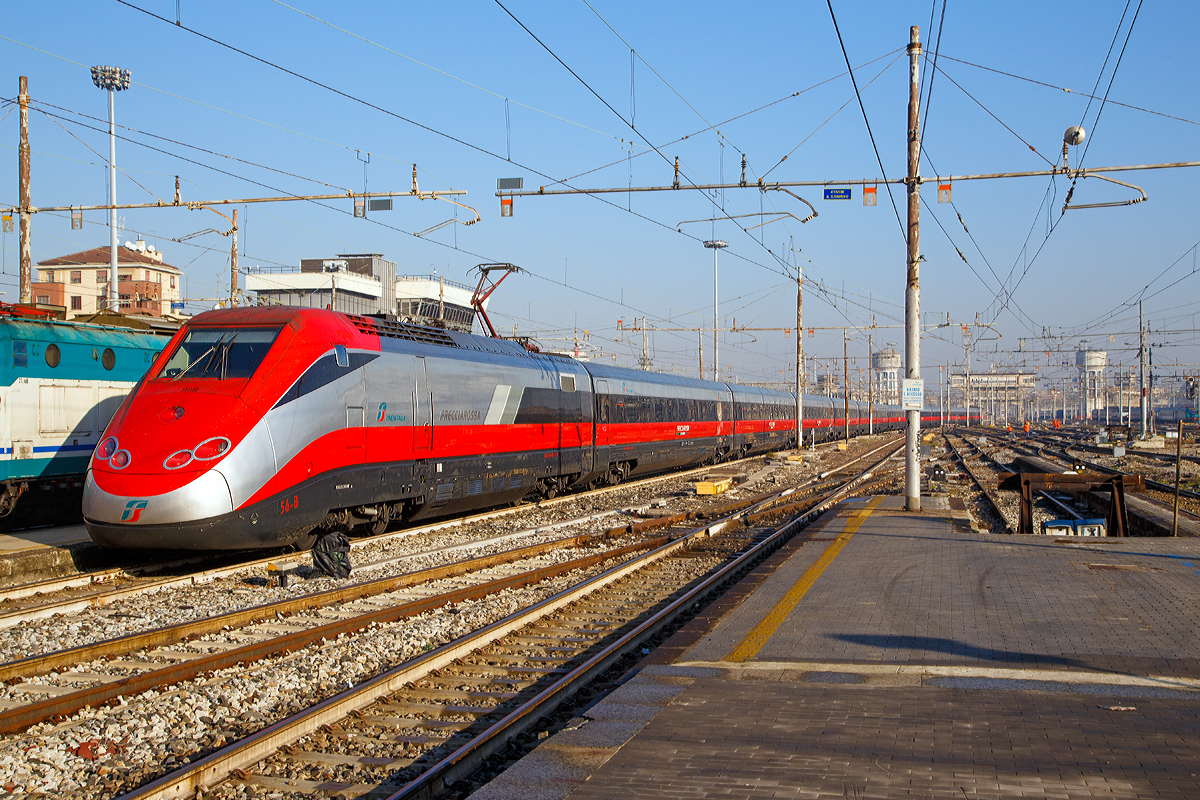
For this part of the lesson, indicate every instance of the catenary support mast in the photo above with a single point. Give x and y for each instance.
(912, 294)
(26, 287)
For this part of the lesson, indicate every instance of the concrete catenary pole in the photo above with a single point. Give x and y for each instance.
(233, 267)
(799, 356)
(912, 294)
(23, 190)
(1142, 365)
(870, 388)
(846, 377)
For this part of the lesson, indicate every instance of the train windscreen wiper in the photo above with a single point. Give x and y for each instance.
(207, 357)
(225, 355)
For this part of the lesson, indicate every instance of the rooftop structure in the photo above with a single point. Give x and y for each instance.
(79, 282)
(366, 283)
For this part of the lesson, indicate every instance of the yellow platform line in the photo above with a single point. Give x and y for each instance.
(753, 641)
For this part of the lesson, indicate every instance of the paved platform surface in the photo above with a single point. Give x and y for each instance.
(42, 537)
(43, 553)
(900, 655)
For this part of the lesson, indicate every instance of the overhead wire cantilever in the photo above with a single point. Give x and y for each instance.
(778, 215)
(436, 196)
(1112, 204)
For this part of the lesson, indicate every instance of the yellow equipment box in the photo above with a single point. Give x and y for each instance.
(713, 487)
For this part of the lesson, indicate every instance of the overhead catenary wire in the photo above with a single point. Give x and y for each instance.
(402, 118)
(1036, 82)
(192, 146)
(882, 171)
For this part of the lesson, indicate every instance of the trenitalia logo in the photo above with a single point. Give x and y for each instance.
(386, 417)
(133, 510)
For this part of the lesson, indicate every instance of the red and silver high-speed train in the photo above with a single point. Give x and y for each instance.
(261, 427)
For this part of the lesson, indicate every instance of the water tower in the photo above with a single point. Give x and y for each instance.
(1091, 365)
(886, 364)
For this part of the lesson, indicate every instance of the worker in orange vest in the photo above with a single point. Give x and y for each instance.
(1026, 429)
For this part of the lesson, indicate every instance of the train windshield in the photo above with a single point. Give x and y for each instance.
(219, 353)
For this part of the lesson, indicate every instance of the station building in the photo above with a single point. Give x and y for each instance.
(365, 283)
(79, 282)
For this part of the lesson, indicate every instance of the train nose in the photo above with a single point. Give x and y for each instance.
(204, 497)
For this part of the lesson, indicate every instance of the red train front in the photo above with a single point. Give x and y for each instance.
(186, 459)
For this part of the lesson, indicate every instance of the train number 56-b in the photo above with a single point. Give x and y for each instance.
(289, 504)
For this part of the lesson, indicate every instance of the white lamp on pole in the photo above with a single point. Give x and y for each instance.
(114, 79)
(716, 245)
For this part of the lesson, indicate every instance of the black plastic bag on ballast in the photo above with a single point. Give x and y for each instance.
(331, 555)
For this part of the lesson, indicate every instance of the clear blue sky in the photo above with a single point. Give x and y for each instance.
(485, 91)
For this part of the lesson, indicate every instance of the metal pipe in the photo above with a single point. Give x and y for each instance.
(912, 294)
(192, 205)
(779, 185)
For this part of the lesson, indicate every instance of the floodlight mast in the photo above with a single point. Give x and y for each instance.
(112, 79)
(716, 245)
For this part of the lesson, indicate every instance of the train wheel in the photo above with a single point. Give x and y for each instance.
(380, 524)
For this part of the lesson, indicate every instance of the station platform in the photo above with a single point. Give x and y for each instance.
(46, 553)
(887, 654)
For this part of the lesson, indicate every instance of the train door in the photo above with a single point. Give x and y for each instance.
(356, 432)
(570, 423)
(422, 412)
(585, 429)
(603, 409)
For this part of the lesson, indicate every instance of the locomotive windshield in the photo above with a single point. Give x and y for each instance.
(219, 353)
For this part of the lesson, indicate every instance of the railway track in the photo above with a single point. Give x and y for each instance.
(986, 482)
(1151, 510)
(100, 587)
(486, 673)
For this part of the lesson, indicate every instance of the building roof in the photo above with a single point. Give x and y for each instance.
(99, 257)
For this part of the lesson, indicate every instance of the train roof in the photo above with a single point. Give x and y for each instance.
(79, 332)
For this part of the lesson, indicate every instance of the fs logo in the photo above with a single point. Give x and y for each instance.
(386, 417)
(133, 510)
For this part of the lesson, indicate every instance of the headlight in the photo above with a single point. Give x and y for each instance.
(177, 460)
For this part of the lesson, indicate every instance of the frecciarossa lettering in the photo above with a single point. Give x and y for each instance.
(460, 415)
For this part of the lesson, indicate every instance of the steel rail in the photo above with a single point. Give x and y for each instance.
(80, 581)
(216, 766)
(18, 719)
(1150, 483)
(468, 758)
(987, 491)
(41, 664)
(1061, 504)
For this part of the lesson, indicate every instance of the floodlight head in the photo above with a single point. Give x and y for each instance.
(1074, 135)
(110, 78)
(717, 244)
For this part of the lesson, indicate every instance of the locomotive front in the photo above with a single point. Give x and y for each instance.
(161, 476)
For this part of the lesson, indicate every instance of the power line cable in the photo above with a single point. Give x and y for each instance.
(402, 118)
(933, 72)
(1068, 91)
(846, 56)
